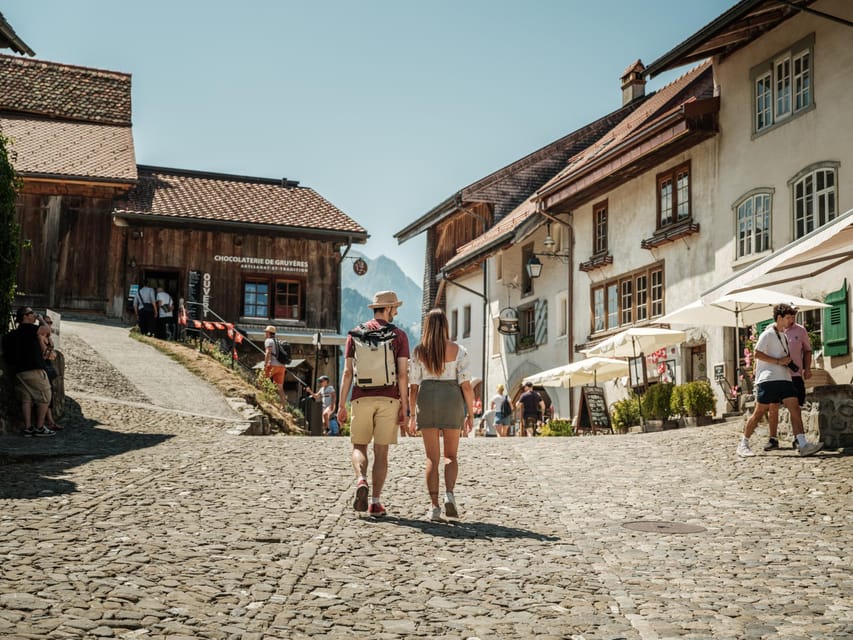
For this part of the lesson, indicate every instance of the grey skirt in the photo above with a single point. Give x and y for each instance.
(440, 405)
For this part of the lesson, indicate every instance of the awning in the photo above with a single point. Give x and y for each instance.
(824, 248)
(295, 337)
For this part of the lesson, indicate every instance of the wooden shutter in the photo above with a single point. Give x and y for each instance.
(509, 343)
(835, 318)
(541, 316)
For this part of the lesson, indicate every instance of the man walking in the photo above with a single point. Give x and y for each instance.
(773, 381)
(145, 305)
(800, 348)
(377, 360)
(23, 352)
(274, 369)
(532, 407)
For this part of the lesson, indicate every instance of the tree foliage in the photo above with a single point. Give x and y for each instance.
(10, 234)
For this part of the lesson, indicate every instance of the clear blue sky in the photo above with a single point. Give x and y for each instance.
(385, 107)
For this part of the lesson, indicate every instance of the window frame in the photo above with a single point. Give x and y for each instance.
(782, 87)
(672, 176)
(466, 321)
(271, 282)
(652, 293)
(454, 324)
(811, 172)
(600, 221)
(740, 233)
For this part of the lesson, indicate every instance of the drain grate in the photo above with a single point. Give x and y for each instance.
(653, 526)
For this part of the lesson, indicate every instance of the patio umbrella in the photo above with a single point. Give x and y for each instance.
(636, 340)
(737, 309)
(581, 372)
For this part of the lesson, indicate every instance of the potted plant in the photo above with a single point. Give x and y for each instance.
(656, 406)
(625, 413)
(699, 402)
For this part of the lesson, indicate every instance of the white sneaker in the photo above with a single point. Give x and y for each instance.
(744, 451)
(810, 448)
(434, 514)
(450, 508)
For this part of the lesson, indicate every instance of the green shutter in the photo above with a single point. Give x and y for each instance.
(761, 326)
(835, 318)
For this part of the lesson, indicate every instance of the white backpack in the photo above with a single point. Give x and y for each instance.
(375, 364)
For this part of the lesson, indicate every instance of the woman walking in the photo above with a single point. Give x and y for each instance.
(440, 409)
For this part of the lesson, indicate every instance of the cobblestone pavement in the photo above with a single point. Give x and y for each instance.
(141, 522)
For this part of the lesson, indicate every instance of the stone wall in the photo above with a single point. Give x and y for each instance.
(827, 416)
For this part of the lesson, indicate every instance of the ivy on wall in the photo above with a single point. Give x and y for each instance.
(10, 233)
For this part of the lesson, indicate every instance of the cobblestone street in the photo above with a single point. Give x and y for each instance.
(148, 521)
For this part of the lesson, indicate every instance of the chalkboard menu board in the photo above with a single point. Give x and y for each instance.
(194, 295)
(593, 412)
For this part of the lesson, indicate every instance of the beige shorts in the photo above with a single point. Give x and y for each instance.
(33, 386)
(374, 418)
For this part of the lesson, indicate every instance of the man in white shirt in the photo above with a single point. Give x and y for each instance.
(145, 305)
(165, 315)
(773, 381)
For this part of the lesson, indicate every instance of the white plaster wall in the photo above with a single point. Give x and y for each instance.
(456, 299)
(771, 159)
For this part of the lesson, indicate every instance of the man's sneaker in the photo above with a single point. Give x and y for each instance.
(450, 509)
(376, 510)
(38, 432)
(744, 451)
(772, 443)
(361, 491)
(810, 449)
(434, 514)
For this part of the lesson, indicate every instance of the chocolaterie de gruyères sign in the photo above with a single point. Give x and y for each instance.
(265, 264)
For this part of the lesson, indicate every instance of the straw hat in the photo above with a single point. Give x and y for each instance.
(270, 329)
(384, 299)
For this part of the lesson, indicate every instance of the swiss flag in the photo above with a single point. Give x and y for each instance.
(238, 338)
(197, 324)
(220, 326)
(209, 326)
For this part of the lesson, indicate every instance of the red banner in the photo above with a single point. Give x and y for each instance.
(220, 326)
(209, 326)
(197, 324)
(238, 338)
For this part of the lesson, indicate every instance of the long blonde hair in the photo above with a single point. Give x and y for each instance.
(434, 339)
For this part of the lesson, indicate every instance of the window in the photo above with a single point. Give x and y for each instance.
(273, 298)
(599, 240)
(563, 315)
(454, 324)
(532, 325)
(466, 321)
(256, 299)
(753, 224)
(526, 280)
(674, 195)
(628, 299)
(499, 266)
(815, 198)
(782, 86)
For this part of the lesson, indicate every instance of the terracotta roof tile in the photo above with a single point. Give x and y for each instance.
(72, 149)
(226, 198)
(64, 91)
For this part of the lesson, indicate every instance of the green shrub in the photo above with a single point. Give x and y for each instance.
(699, 398)
(676, 400)
(557, 428)
(624, 413)
(656, 401)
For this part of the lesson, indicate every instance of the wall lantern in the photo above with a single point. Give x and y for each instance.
(132, 263)
(508, 322)
(534, 266)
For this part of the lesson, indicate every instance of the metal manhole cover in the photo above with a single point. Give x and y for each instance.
(652, 526)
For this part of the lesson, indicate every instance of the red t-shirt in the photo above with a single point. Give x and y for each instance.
(401, 350)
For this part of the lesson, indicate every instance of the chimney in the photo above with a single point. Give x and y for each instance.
(633, 82)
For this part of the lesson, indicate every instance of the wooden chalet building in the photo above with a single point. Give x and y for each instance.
(251, 251)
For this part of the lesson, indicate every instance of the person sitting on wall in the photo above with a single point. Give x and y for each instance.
(273, 369)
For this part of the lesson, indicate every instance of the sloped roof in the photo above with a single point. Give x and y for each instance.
(70, 150)
(666, 100)
(64, 91)
(737, 27)
(506, 188)
(223, 198)
(10, 40)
